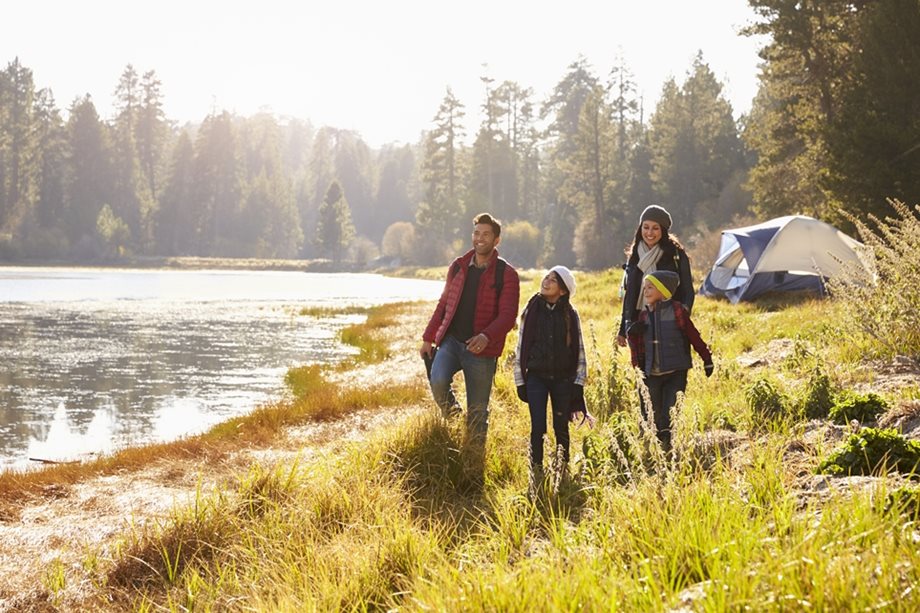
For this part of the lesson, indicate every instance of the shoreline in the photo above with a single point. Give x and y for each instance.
(369, 349)
(52, 514)
(193, 263)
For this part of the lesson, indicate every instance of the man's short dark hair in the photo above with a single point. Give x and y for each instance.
(486, 218)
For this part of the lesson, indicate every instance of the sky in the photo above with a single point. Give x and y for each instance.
(379, 67)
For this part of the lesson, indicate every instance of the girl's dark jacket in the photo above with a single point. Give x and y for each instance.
(577, 362)
(684, 294)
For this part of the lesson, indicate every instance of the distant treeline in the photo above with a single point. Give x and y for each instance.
(835, 127)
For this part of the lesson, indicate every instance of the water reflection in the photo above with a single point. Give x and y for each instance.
(65, 442)
(95, 360)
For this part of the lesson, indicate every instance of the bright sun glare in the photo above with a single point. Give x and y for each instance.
(380, 68)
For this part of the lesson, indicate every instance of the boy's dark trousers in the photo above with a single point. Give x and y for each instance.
(663, 391)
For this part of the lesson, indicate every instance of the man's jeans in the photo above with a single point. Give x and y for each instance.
(478, 373)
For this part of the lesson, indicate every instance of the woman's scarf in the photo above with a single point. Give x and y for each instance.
(648, 258)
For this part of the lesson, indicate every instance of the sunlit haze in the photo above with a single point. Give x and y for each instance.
(380, 68)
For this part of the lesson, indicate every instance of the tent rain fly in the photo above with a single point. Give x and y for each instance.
(784, 254)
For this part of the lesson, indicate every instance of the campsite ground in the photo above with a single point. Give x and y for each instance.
(350, 494)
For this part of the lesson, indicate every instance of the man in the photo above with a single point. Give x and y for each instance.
(477, 309)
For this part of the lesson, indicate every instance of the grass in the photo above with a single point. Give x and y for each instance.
(414, 518)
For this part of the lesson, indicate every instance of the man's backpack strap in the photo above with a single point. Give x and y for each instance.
(500, 267)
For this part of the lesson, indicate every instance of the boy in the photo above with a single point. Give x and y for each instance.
(659, 343)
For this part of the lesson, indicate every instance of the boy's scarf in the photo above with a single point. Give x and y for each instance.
(648, 258)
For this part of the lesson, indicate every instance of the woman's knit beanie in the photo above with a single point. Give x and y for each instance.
(657, 214)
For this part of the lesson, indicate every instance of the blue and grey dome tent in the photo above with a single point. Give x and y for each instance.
(784, 254)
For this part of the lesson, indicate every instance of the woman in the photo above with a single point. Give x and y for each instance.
(653, 249)
(549, 363)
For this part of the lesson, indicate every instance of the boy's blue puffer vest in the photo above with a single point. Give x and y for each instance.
(673, 346)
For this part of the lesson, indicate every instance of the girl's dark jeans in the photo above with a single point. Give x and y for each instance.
(663, 391)
(559, 391)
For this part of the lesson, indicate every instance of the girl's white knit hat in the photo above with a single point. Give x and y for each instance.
(567, 278)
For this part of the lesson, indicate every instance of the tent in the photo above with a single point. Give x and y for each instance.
(784, 254)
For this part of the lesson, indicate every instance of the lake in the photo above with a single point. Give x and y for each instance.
(94, 360)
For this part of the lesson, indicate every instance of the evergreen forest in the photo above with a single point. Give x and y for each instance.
(833, 132)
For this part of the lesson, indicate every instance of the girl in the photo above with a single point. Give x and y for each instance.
(653, 249)
(549, 363)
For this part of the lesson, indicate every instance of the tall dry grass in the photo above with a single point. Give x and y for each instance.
(881, 302)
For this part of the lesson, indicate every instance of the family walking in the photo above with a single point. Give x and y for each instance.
(478, 308)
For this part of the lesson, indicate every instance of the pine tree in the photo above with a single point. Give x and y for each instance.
(590, 182)
(563, 110)
(270, 224)
(873, 140)
(355, 173)
(151, 131)
(218, 185)
(334, 228)
(320, 173)
(177, 224)
(495, 180)
(132, 200)
(90, 183)
(805, 65)
(19, 151)
(392, 201)
(44, 230)
(439, 214)
(695, 144)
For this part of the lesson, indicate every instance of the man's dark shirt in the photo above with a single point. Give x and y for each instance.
(461, 326)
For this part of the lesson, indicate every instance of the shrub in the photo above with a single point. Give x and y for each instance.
(302, 380)
(611, 386)
(803, 357)
(612, 454)
(818, 395)
(362, 250)
(521, 243)
(904, 501)
(767, 403)
(877, 299)
(861, 407)
(399, 241)
(872, 450)
(617, 451)
(720, 419)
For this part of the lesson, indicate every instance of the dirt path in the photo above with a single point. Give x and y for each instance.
(54, 534)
